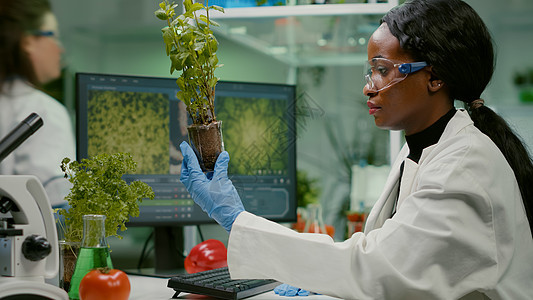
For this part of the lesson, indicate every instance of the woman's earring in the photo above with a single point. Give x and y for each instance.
(435, 85)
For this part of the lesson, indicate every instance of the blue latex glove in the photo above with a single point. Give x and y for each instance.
(215, 194)
(289, 291)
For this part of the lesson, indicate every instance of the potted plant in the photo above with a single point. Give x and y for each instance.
(309, 208)
(524, 83)
(191, 46)
(98, 188)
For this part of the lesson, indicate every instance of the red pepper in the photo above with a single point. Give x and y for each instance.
(208, 255)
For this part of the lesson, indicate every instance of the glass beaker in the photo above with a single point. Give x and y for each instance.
(314, 222)
(94, 252)
(68, 252)
(356, 222)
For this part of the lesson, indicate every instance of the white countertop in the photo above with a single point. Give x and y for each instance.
(153, 288)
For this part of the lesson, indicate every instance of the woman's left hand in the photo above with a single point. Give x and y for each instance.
(216, 196)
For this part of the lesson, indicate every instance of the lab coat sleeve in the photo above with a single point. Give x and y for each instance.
(41, 154)
(437, 246)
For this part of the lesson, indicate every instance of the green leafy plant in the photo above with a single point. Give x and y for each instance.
(523, 78)
(524, 83)
(191, 46)
(98, 188)
(307, 190)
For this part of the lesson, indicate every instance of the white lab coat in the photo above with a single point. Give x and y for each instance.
(41, 154)
(460, 231)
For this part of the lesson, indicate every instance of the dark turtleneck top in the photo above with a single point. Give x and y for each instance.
(419, 141)
(427, 137)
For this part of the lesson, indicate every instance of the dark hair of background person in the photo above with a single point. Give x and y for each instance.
(453, 39)
(17, 19)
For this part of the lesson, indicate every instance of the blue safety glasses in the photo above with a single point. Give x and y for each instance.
(47, 33)
(381, 73)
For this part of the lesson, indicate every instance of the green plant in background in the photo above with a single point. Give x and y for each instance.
(365, 146)
(523, 78)
(524, 82)
(98, 188)
(307, 191)
(191, 46)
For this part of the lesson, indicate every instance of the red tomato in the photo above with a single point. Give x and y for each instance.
(208, 255)
(105, 284)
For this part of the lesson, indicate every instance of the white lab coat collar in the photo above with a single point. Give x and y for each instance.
(382, 210)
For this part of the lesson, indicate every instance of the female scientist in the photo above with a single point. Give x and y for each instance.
(452, 221)
(30, 55)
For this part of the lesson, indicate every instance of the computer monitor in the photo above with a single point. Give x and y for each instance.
(142, 116)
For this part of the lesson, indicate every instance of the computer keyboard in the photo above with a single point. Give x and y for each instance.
(217, 283)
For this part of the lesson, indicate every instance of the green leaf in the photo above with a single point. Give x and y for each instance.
(189, 73)
(195, 7)
(189, 61)
(216, 7)
(213, 81)
(176, 22)
(161, 14)
(183, 56)
(187, 4)
(181, 95)
(204, 19)
(214, 23)
(198, 46)
(213, 60)
(176, 63)
(182, 19)
(180, 82)
(213, 44)
(187, 36)
(202, 57)
(168, 36)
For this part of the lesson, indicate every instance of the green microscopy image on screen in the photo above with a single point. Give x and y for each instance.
(132, 122)
(254, 134)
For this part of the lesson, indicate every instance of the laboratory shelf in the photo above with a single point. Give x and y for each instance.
(304, 10)
(304, 35)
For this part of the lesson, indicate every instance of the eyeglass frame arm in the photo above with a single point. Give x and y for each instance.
(43, 33)
(408, 68)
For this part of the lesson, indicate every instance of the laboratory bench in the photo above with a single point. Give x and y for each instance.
(155, 288)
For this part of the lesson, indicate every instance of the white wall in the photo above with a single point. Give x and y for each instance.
(511, 24)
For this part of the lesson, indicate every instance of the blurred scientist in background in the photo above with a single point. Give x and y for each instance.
(30, 55)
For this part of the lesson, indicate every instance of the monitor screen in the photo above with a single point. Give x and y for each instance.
(142, 116)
